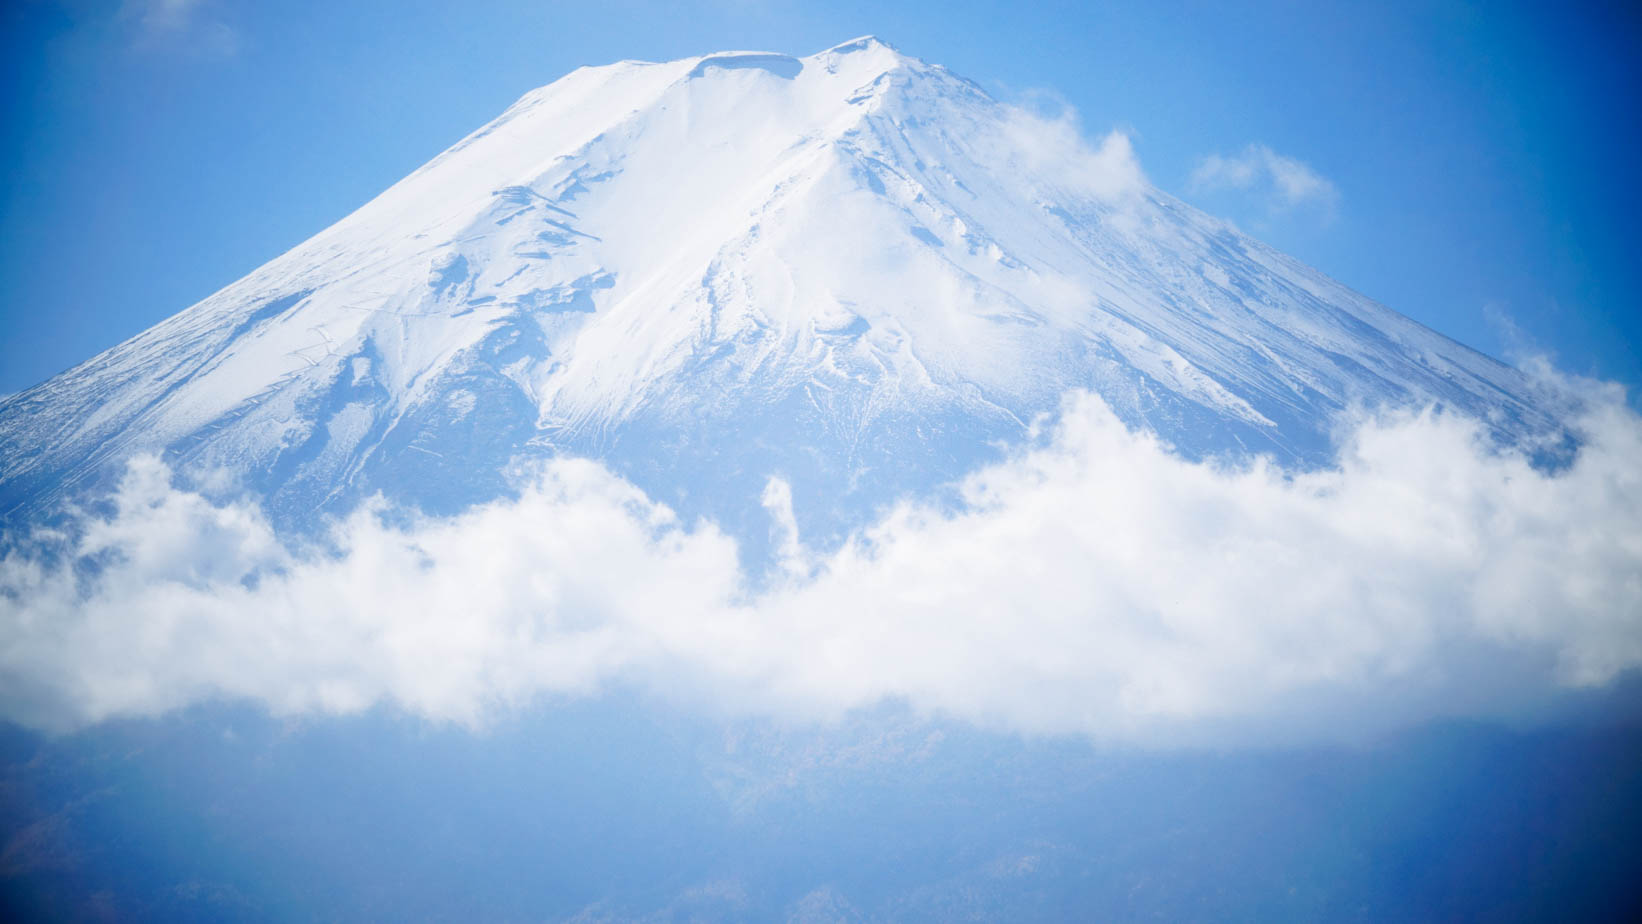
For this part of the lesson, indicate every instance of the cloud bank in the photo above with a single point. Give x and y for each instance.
(1284, 182)
(1094, 583)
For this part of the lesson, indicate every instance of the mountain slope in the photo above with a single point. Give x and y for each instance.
(855, 270)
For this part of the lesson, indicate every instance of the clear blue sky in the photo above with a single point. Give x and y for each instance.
(1482, 157)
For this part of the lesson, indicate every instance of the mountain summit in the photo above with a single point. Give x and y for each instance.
(854, 270)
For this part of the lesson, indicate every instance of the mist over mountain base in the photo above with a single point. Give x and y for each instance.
(623, 809)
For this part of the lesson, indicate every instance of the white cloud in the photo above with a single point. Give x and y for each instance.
(1053, 142)
(1283, 182)
(1096, 584)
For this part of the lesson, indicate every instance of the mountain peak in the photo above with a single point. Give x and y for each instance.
(859, 44)
(867, 55)
(746, 264)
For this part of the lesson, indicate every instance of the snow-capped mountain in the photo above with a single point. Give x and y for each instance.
(855, 270)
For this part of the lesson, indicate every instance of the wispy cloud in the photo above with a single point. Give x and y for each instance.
(1097, 584)
(179, 24)
(1282, 182)
(1045, 129)
(164, 15)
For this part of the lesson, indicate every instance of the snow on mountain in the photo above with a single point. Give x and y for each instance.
(855, 270)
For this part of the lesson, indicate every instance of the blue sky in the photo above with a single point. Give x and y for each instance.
(1470, 165)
